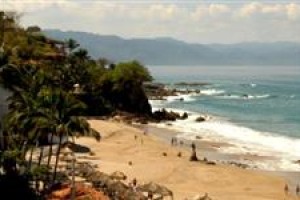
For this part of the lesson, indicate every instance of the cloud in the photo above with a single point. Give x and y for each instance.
(194, 21)
(29, 5)
(289, 11)
(293, 11)
(217, 9)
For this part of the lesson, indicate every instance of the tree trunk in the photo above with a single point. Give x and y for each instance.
(24, 150)
(57, 157)
(30, 158)
(49, 161)
(50, 151)
(41, 155)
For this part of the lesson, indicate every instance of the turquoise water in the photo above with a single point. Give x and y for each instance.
(264, 98)
(256, 109)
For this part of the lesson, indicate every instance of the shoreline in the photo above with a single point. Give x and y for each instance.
(186, 179)
(233, 139)
(207, 149)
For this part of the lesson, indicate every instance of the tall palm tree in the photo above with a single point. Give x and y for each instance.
(72, 45)
(63, 120)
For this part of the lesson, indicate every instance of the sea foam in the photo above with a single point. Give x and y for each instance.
(211, 92)
(283, 150)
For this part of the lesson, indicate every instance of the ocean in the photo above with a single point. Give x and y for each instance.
(254, 108)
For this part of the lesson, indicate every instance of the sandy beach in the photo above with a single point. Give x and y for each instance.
(122, 143)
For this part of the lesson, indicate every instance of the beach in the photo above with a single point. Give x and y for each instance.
(126, 148)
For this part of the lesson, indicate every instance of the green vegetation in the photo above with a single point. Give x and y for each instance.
(52, 85)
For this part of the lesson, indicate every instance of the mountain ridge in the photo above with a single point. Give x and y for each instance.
(170, 51)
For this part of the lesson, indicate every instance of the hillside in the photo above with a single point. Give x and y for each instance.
(168, 51)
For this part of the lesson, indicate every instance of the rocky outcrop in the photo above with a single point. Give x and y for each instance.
(184, 116)
(192, 84)
(163, 114)
(200, 119)
(157, 91)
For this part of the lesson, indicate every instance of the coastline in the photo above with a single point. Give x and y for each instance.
(254, 148)
(209, 150)
(186, 179)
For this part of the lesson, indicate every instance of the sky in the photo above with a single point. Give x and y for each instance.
(197, 21)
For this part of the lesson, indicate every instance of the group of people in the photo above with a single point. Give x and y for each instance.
(286, 189)
(174, 142)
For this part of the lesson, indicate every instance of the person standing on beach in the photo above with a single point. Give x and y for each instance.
(145, 131)
(297, 190)
(286, 189)
(193, 146)
(133, 185)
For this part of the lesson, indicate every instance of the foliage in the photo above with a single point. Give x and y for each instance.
(41, 75)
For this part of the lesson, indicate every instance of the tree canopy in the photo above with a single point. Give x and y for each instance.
(53, 84)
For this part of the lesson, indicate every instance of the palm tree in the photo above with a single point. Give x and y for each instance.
(72, 45)
(63, 120)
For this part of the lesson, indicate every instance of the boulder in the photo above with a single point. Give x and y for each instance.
(162, 115)
(184, 116)
(198, 137)
(200, 119)
(297, 162)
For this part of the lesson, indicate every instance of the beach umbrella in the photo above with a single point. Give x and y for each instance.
(101, 179)
(67, 158)
(155, 189)
(131, 195)
(118, 175)
(118, 187)
(66, 151)
(199, 197)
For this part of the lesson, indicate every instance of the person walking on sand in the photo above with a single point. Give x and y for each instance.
(297, 190)
(193, 146)
(286, 189)
(133, 184)
(145, 131)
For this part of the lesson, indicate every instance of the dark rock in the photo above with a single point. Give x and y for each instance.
(241, 165)
(200, 119)
(191, 84)
(198, 137)
(297, 162)
(162, 115)
(184, 116)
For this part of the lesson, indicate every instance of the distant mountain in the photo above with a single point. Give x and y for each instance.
(168, 51)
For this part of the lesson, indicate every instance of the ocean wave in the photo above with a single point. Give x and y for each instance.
(243, 97)
(211, 92)
(170, 99)
(181, 97)
(283, 150)
(253, 85)
(247, 140)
